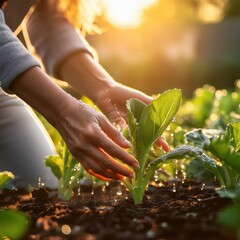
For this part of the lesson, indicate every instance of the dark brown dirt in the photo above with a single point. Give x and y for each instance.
(187, 214)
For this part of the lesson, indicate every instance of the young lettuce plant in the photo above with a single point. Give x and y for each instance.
(223, 147)
(67, 170)
(219, 152)
(146, 124)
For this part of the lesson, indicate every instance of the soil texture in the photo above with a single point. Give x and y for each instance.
(174, 211)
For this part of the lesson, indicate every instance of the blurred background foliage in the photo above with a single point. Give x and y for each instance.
(154, 45)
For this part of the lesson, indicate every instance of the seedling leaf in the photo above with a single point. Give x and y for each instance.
(13, 224)
(5, 177)
(158, 115)
(186, 151)
(198, 138)
(56, 165)
(234, 131)
(146, 124)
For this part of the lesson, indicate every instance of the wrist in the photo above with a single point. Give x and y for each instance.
(40, 92)
(86, 76)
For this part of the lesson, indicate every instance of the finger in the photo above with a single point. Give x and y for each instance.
(121, 123)
(123, 114)
(114, 150)
(90, 171)
(114, 114)
(133, 93)
(107, 162)
(93, 168)
(162, 143)
(113, 133)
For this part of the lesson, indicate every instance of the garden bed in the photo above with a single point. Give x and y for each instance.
(173, 211)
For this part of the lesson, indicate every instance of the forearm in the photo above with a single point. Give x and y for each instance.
(85, 75)
(36, 89)
(64, 52)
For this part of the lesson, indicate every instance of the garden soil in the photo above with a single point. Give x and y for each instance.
(174, 211)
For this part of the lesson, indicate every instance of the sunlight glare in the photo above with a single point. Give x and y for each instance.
(126, 13)
(211, 13)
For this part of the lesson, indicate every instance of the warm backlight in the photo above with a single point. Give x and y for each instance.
(126, 13)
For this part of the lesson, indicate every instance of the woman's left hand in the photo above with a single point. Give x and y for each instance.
(112, 102)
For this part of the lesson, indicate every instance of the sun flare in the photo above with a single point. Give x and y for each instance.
(126, 13)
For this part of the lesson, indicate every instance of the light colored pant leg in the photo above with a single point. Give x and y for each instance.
(24, 143)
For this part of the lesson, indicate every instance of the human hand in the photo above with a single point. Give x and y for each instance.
(95, 142)
(112, 102)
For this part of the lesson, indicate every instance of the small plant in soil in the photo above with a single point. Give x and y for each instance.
(222, 147)
(67, 170)
(146, 124)
(5, 179)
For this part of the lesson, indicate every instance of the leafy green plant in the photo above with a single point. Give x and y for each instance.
(5, 178)
(13, 224)
(197, 110)
(211, 108)
(223, 148)
(218, 152)
(67, 170)
(195, 170)
(146, 125)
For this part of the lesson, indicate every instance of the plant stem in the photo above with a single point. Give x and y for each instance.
(228, 173)
(68, 193)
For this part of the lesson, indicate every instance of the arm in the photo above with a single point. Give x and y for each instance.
(67, 56)
(54, 39)
(89, 135)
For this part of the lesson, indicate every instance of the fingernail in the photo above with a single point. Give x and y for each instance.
(127, 142)
(136, 165)
(131, 175)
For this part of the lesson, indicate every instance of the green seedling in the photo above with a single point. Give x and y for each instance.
(5, 179)
(223, 148)
(67, 170)
(146, 124)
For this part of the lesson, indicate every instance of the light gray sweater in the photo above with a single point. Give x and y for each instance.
(52, 36)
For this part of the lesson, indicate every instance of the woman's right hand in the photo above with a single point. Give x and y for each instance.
(91, 138)
(95, 142)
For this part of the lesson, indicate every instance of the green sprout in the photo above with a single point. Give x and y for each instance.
(146, 124)
(67, 170)
(5, 179)
(223, 148)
